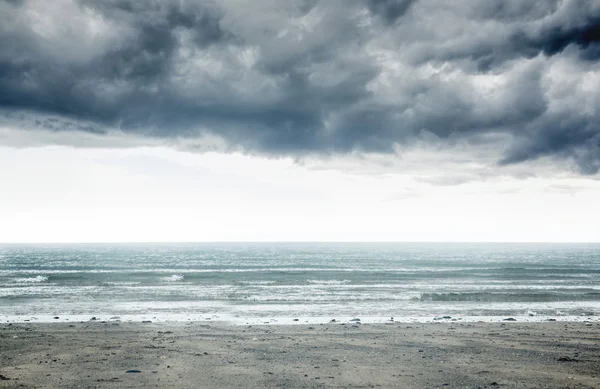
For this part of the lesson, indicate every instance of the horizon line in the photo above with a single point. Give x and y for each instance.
(297, 242)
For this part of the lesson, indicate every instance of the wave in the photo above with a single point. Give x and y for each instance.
(257, 282)
(507, 296)
(323, 298)
(173, 278)
(31, 280)
(123, 283)
(328, 282)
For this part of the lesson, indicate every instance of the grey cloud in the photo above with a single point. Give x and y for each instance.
(552, 40)
(485, 35)
(513, 11)
(577, 137)
(389, 10)
(14, 2)
(307, 76)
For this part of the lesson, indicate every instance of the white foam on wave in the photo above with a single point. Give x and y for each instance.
(257, 282)
(328, 282)
(173, 278)
(31, 280)
(310, 296)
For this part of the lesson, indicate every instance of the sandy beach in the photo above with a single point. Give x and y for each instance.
(113, 354)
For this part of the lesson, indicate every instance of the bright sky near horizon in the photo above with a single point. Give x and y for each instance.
(63, 194)
(299, 120)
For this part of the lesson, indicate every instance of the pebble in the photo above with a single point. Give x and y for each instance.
(567, 359)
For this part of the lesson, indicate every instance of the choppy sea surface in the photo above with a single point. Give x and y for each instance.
(300, 282)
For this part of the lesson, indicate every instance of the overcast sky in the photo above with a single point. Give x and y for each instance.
(296, 120)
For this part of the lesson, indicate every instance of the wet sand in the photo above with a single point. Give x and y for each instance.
(199, 355)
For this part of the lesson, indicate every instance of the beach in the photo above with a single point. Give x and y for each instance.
(300, 315)
(114, 354)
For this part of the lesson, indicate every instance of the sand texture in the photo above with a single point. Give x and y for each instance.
(199, 355)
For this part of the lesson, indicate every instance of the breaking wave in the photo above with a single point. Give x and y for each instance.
(31, 280)
(173, 278)
(328, 282)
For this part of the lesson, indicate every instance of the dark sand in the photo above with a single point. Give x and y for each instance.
(196, 355)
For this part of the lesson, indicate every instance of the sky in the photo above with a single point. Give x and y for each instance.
(299, 120)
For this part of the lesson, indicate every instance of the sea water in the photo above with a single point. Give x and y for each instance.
(300, 282)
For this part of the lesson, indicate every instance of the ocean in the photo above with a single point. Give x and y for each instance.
(291, 283)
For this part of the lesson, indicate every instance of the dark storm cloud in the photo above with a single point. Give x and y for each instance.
(553, 40)
(569, 136)
(308, 76)
(389, 10)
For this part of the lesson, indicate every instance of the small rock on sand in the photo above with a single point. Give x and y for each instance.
(567, 359)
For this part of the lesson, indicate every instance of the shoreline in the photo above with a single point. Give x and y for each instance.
(113, 354)
(290, 320)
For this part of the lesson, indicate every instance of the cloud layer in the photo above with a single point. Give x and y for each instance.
(310, 76)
